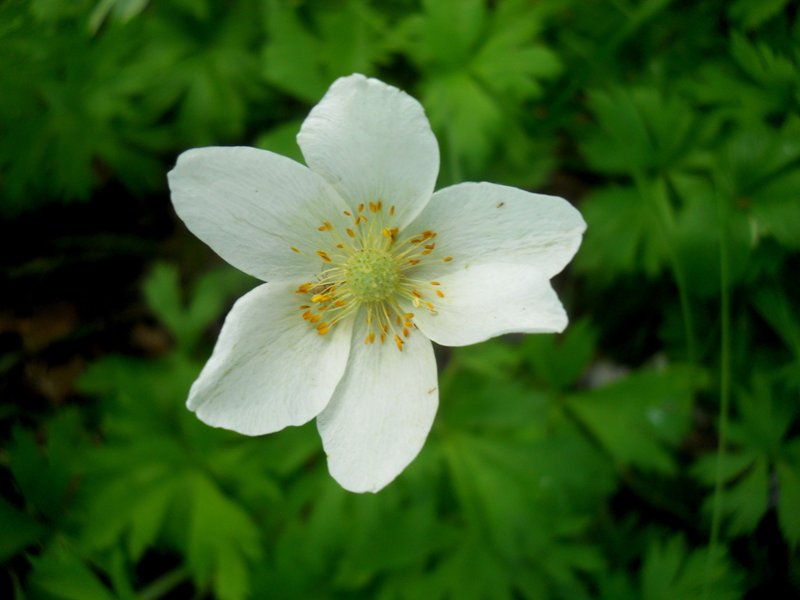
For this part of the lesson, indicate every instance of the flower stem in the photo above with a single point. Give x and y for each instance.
(724, 386)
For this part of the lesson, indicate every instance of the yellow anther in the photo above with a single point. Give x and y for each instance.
(351, 233)
(340, 246)
(304, 288)
(348, 213)
(339, 303)
(295, 250)
(414, 293)
(370, 338)
(320, 297)
(405, 332)
(304, 306)
(323, 255)
(360, 219)
(323, 328)
(361, 207)
(314, 318)
(380, 204)
(447, 259)
(399, 341)
(440, 293)
(391, 210)
(414, 261)
(415, 301)
(435, 283)
(326, 226)
(373, 207)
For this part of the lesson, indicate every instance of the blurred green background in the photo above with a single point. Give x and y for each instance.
(568, 467)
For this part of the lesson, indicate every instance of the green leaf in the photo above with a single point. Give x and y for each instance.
(210, 293)
(672, 572)
(638, 419)
(622, 236)
(640, 131)
(696, 237)
(494, 359)
(752, 14)
(44, 474)
(222, 539)
(282, 139)
(559, 361)
(302, 58)
(64, 575)
(788, 501)
(20, 530)
(746, 501)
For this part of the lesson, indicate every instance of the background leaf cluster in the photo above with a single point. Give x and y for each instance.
(573, 466)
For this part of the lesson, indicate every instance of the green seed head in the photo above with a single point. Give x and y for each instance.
(372, 275)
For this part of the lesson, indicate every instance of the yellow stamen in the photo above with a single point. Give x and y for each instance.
(295, 250)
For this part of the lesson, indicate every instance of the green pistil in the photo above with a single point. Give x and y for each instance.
(372, 275)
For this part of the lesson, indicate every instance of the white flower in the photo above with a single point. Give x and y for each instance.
(365, 266)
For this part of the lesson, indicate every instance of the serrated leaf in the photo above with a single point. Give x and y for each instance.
(763, 64)
(672, 572)
(44, 473)
(752, 14)
(745, 502)
(62, 574)
(639, 131)
(622, 235)
(20, 530)
(221, 536)
(187, 320)
(303, 58)
(639, 418)
(560, 360)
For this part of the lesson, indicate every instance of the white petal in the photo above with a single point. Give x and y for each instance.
(481, 223)
(486, 300)
(372, 142)
(381, 412)
(270, 368)
(251, 206)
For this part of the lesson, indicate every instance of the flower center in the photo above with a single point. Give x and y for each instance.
(372, 275)
(368, 270)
